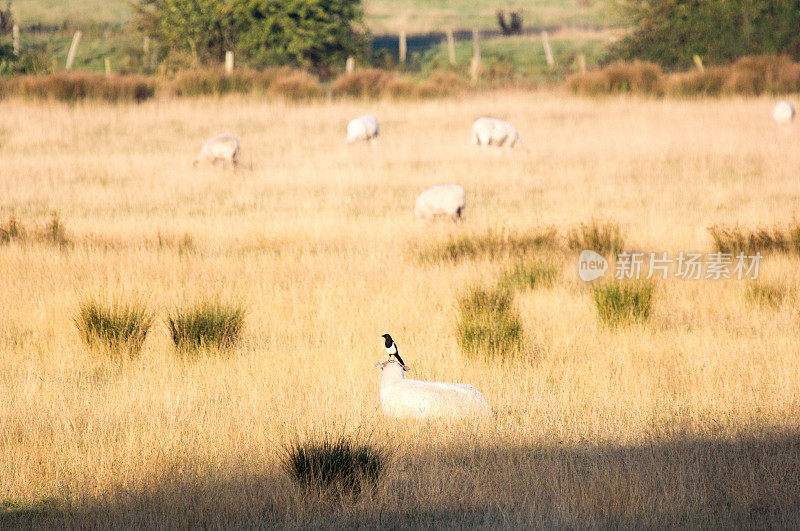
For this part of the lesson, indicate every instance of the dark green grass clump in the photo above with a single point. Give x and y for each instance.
(489, 245)
(489, 325)
(604, 237)
(529, 275)
(213, 323)
(342, 464)
(118, 327)
(623, 302)
(736, 239)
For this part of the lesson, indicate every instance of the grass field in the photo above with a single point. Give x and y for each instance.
(106, 33)
(382, 16)
(688, 419)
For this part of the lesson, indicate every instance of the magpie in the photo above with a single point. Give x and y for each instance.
(391, 348)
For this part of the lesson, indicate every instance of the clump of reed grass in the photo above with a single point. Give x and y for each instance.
(119, 327)
(621, 303)
(208, 324)
(489, 325)
(766, 294)
(736, 239)
(491, 244)
(77, 86)
(636, 77)
(370, 83)
(602, 236)
(529, 275)
(341, 465)
(296, 85)
(55, 233)
(12, 230)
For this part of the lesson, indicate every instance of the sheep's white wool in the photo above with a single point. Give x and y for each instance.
(494, 132)
(362, 128)
(221, 147)
(442, 200)
(400, 397)
(783, 112)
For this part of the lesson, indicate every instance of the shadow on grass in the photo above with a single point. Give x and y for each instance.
(750, 481)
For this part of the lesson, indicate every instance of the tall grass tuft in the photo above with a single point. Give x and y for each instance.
(604, 237)
(766, 294)
(55, 233)
(211, 323)
(119, 327)
(491, 244)
(11, 231)
(637, 77)
(529, 275)
(341, 464)
(370, 83)
(77, 86)
(489, 325)
(736, 239)
(621, 303)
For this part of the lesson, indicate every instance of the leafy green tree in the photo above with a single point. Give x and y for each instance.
(315, 34)
(202, 28)
(308, 33)
(670, 32)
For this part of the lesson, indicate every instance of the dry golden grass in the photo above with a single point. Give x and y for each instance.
(688, 419)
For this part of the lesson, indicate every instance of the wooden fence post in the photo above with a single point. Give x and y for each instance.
(15, 38)
(548, 53)
(107, 64)
(475, 67)
(451, 47)
(73, 48)
(403, 47)
(581, 63)
(228, 63)
(350, 64)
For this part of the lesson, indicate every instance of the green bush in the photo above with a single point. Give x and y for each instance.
(489, 325)
(314, 34)
(671, 32)
(341, 465)
(604, 237)
(119, 327)
(211, 323)
(620, 303)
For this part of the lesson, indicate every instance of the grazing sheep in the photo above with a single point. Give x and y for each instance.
(783, 112)
(494, 132)
(442, 200)
(220, 147)
(362, 129)
(414, 398)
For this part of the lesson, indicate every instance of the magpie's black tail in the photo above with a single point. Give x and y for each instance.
(397, 355)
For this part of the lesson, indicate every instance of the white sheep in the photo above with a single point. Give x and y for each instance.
(362, 129)
(494, 132)
(221, 147)
(442, 200)
(400, 397)
(783, 112)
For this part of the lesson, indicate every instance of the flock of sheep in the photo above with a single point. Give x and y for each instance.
(444, 200)
(401, 397)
